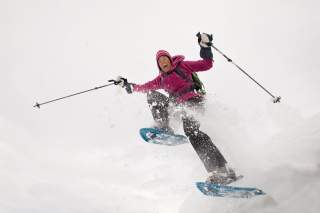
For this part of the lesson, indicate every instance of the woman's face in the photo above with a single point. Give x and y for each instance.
(164, 63)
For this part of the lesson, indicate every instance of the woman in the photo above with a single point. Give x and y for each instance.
(175, 77)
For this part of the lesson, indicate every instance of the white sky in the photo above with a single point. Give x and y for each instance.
(51, 48)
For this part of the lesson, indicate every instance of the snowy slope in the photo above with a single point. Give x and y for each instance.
(288, 169)
(126, 174)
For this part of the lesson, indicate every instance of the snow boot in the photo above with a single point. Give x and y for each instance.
(222, 176)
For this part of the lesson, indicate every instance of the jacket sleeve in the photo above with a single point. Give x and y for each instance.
(151, 85)
(200, 65)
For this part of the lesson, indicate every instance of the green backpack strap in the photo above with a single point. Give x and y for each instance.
(199, 86)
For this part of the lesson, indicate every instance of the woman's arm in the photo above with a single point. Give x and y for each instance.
(151, 85)
(200, 65)
(204, 41)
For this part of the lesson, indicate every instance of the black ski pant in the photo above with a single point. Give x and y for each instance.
(201, 142)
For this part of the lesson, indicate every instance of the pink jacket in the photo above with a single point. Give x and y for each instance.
(171, 82)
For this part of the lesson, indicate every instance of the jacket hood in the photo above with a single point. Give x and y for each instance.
(175, 60)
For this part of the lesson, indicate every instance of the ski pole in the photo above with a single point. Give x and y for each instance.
(78, 93)
(275, 99)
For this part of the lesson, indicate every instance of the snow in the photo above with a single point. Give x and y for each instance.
(125, 174)
(84, 154)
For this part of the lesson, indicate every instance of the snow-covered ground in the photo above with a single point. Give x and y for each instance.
(85, 154)
(121, 173)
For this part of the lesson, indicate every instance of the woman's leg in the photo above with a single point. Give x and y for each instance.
(159, 104)
(209, 154)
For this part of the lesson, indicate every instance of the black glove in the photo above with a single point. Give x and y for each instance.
(205, 42)
(123, 82)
